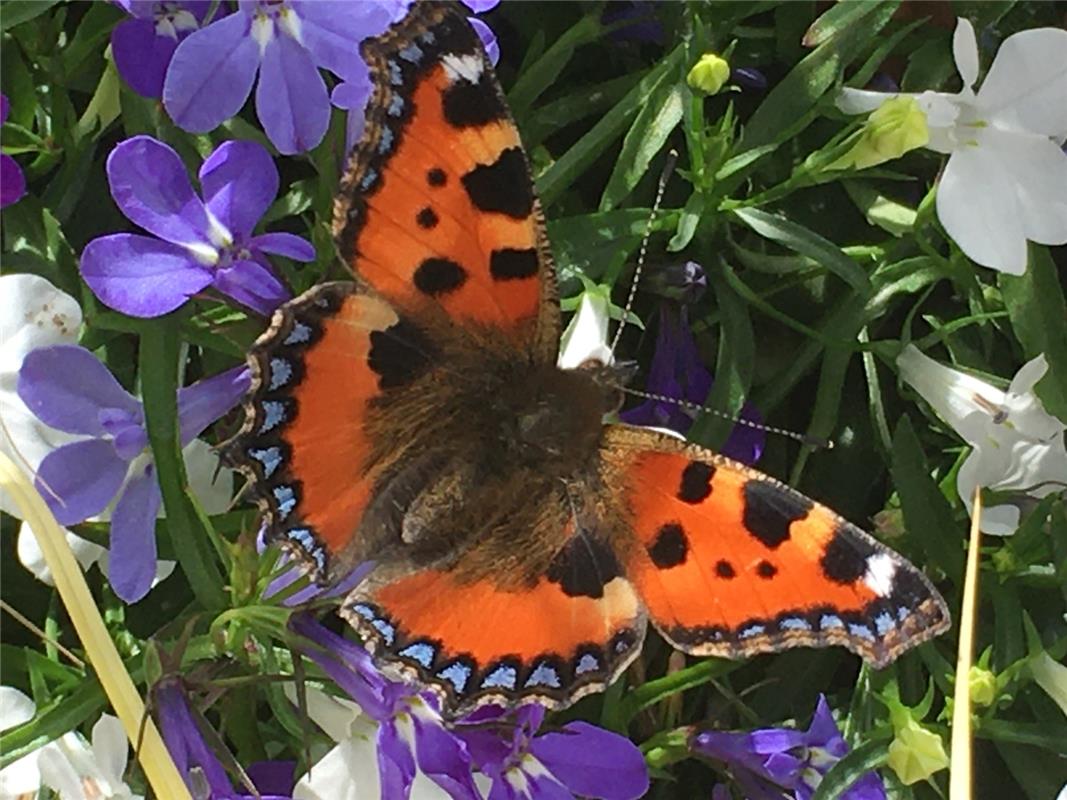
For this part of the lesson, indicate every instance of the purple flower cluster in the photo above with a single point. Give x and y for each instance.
(200, 243)
(68, 388)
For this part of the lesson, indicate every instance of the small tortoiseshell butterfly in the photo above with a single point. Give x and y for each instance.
(415, 417)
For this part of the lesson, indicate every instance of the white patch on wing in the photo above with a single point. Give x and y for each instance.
(467, 67)
(880, 571)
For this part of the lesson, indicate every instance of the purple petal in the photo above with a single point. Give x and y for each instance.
(489, 42)
(132, 562)
(12, 181)
(141, 57)
(396, 764)
(240, 182)
(140, 276)
(332, 32)
(823, 729)
(593, 762)
(868, 787)
(211, 74)
(284, 244)
(67, 387)
(546, 787)
(184, 740)
(481, 6)
(349, 665)
(272, 777)
(291, 99)
(150, 185)
(444, 760)
(253, 285)
(206, 400)
(79, 479)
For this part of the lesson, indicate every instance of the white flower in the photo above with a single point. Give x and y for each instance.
(586, 337)
(68, 765)
(1006, 177)
(1017, 445)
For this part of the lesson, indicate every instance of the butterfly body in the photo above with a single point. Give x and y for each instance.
(416, 418)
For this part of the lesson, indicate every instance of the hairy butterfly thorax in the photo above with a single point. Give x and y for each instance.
(415, 418)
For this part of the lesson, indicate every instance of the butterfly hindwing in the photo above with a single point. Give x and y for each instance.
(437, 204)
(731, 562)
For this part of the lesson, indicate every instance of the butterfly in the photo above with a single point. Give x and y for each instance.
(415, 417)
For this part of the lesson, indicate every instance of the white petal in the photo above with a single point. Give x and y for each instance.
(58, 772)
(860, 101)
(965, 51)
(979, 208)
(22, 777)
(29, 552)
(954, 395)
(1026, 88)
(23, 438)
(586, 337)
(998, 520)
(337, 716)
(1038, 170)
(212, 484)
(110, 748)
(33, 313)
(942, 111)
(1028, 375)
(348, 772)
(15, 707)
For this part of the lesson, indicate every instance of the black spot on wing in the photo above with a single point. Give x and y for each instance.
(427, 218)
(724, 569)
(770, 510)
(400, 354)
(670, 547)
(503, 186)
(436, 177)
(471, 105)
(584, 566)
(696, 482)
(510, 264)
(845, 559)
(766, 570)
(439, 276)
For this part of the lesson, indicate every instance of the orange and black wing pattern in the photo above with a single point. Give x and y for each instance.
(730, 562)
(437, 205)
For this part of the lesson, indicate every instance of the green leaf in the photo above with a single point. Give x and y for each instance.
(1037, 311)
(889, 215)
(14, 13)
(806, 242)
(543, 72)
(836, 19)
(687, 223)
(652, 692)
(52, 721)
(927, 514)
(868, 756)
(646, 137)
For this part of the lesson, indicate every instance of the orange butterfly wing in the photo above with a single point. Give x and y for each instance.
(731, 562)
(437, 205)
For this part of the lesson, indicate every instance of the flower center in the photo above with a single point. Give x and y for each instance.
(171, 19)
(271, 14)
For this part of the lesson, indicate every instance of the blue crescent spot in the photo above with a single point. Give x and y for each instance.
(368, 180)
(750, 631)
(273, 415)
(587, 663)
(862, 631)
(396, 106)
(428, 37)
(903, 612)
(412, 53)
(385, 628)
(281, 372)
(544, 675)
(884, 623)
(503, 677)
(385, 144)
(269, 457)
(457, 673)
(830, 621)
(423, 652)
(396, 77)
(300, 334)
(364, 610)
(285, 498)
(795, 624)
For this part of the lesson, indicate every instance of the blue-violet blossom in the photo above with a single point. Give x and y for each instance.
(144, 45)
(201, 243)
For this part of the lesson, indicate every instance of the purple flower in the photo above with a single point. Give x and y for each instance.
(143, 46)
(12, 181)
(764, 762)
(68, 388)
(286, 573)
(640, 23)
(411, 734)
(200, 243)
(285, 43)
(578, 760)
(749, 78)
(199, 766)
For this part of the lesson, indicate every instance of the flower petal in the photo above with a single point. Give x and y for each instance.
(252, 284)
(586, 336)
(965, 51)
(12, 181)
(348, 772)
(332, 32)
(141, 57)
(67, 387)
(593, 762)
(396, 764)
(211, 74)
(1026, 88)
(209, 481)
(488, 37)
(151, 187)
(32, 558)
(953, 394)
(979, 208)
(208, 399)
(239, 181)
(33, 313)
(443, 759)
(140, 276)
(132, 558)
(78, 480)
(15, 708)
(291, 99)
(859, 101)
(284, 244)
(110, 747)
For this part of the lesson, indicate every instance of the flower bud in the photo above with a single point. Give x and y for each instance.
(892, 129)
(983, 686)
(916, 753)
(709, 74)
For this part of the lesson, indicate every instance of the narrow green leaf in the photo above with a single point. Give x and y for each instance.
(543, 72)
(652, 692)
(835, 19)
(17, 13)
(687, 223)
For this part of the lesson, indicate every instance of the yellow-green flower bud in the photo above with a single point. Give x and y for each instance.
(983, 687)
(916, 753)
(709, 74)
(894, 128)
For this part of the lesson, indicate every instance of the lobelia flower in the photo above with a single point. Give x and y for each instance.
(1017, 445)
(916, 752)
(410, 736)
(142, 47)
(198, 765)
(69, 389)
(68, 765)
(578, 760)
(201, 243)
(12, 181)
(586, 335)
(1006, 177)
(765, 762)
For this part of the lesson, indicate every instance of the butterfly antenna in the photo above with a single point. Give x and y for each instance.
(668, 168)
(817, 442)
